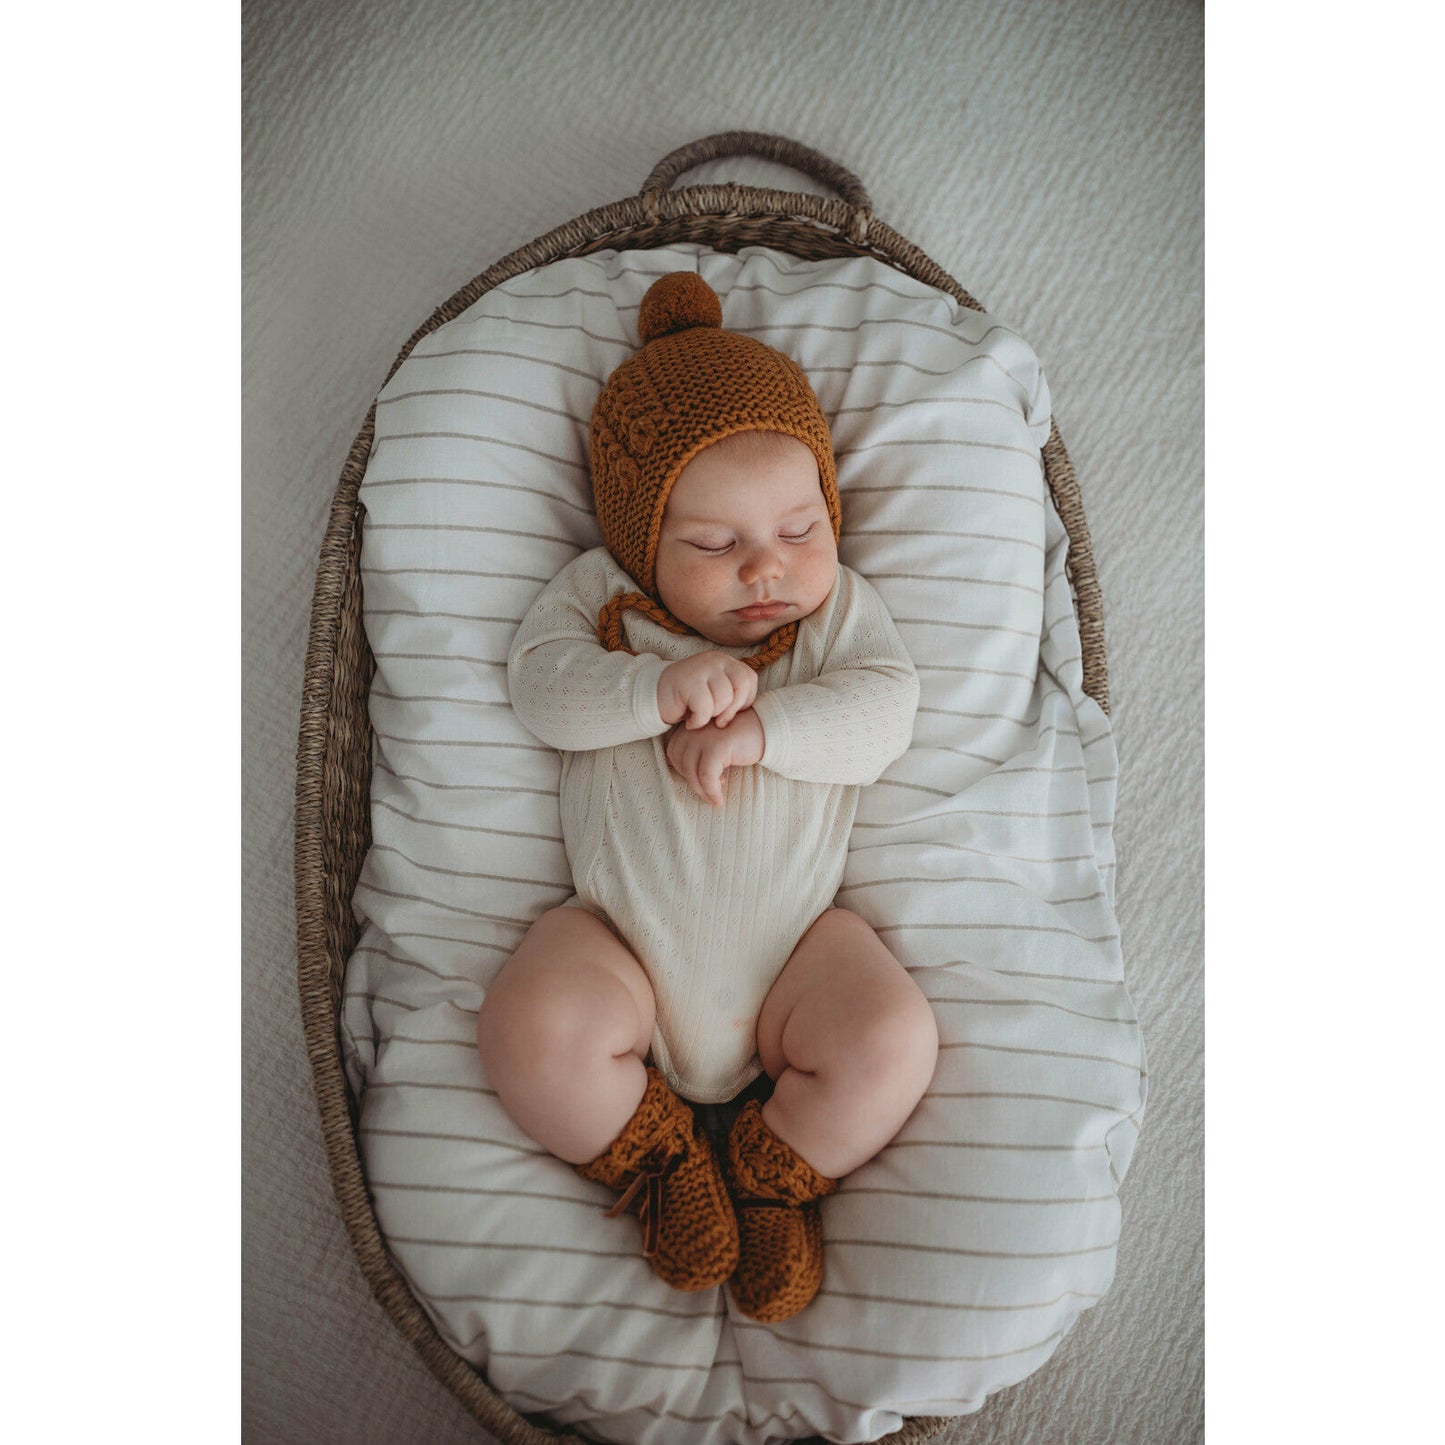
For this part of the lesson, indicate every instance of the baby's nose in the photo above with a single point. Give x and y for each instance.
(760, 564)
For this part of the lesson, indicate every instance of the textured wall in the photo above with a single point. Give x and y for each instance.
(1050, 157)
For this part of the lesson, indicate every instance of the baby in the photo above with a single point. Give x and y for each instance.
(720, 688)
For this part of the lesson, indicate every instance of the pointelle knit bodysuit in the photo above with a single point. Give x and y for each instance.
(711, 900)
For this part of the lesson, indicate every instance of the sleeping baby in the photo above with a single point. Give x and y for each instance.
(720, 688)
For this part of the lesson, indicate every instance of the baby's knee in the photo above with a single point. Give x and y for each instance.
(842, 928)
(889, 1037)
(558, 1003)
(534, 1020)
(900, 1034)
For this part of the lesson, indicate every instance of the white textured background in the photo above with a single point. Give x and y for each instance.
(1049, 156)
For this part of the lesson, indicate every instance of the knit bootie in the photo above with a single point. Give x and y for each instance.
(775, 1193)
(665, 1167)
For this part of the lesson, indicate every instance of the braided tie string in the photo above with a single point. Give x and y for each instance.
(609, 620)
(609, 628)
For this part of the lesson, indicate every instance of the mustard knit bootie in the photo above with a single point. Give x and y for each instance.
(666, 1170)
(775, 1193)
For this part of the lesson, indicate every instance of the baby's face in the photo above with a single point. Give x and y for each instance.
(746, 544)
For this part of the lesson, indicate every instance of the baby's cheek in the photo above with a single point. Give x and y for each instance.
(822, 571)
(674, 585)
(693, 579)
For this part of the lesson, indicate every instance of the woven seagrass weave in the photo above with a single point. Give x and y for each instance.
(333, 777)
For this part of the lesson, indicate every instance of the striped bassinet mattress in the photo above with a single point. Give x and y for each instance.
(961, 1256)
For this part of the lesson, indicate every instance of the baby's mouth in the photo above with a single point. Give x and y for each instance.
(760, 611)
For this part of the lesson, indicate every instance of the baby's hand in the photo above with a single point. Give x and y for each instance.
(707, 687)
(702, 757)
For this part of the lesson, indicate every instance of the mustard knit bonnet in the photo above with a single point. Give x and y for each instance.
(691, 385)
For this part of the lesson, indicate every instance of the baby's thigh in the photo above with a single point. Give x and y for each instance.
(572, 979)
(842, 993)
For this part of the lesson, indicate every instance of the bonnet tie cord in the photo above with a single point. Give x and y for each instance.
(609, 628)
(609, 619)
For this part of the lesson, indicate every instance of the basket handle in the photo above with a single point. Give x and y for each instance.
(768, 147)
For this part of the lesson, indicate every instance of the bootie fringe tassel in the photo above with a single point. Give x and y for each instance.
(666, 1171)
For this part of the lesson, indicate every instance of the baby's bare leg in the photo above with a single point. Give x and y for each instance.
(851, 1042)
(563, 1031)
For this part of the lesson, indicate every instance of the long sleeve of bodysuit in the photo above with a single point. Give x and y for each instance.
(856, 717)
(566, 688)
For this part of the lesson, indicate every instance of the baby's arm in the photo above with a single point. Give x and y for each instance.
(572, 693)
(856, 717)
(844, 727)
(566, 688)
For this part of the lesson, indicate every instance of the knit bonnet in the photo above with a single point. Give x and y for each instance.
(691, 385)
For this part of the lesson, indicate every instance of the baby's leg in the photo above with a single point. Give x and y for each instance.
(851, 1042)
(563, 1032)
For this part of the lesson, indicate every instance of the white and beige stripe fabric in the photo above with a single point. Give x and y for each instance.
(960, 1257)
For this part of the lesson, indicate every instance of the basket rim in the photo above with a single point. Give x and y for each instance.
(320, 959)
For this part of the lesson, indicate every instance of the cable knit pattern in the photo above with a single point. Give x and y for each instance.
(780, 1226)
(712, 900)
(689, 1230)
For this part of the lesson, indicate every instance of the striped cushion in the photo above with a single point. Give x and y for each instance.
(959, 1257)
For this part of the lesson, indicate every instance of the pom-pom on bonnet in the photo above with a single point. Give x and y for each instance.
(692, 384)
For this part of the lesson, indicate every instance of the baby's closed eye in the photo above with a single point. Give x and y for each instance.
(719, 546)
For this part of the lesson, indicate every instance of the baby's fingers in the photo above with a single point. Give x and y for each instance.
(744, 691)
(698, 773)
(700, 707)
(711, 783)
(689, 760)
(740, 699)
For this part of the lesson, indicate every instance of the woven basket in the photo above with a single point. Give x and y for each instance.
(333, 773)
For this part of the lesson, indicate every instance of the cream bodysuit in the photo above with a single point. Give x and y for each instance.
(711, 900)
